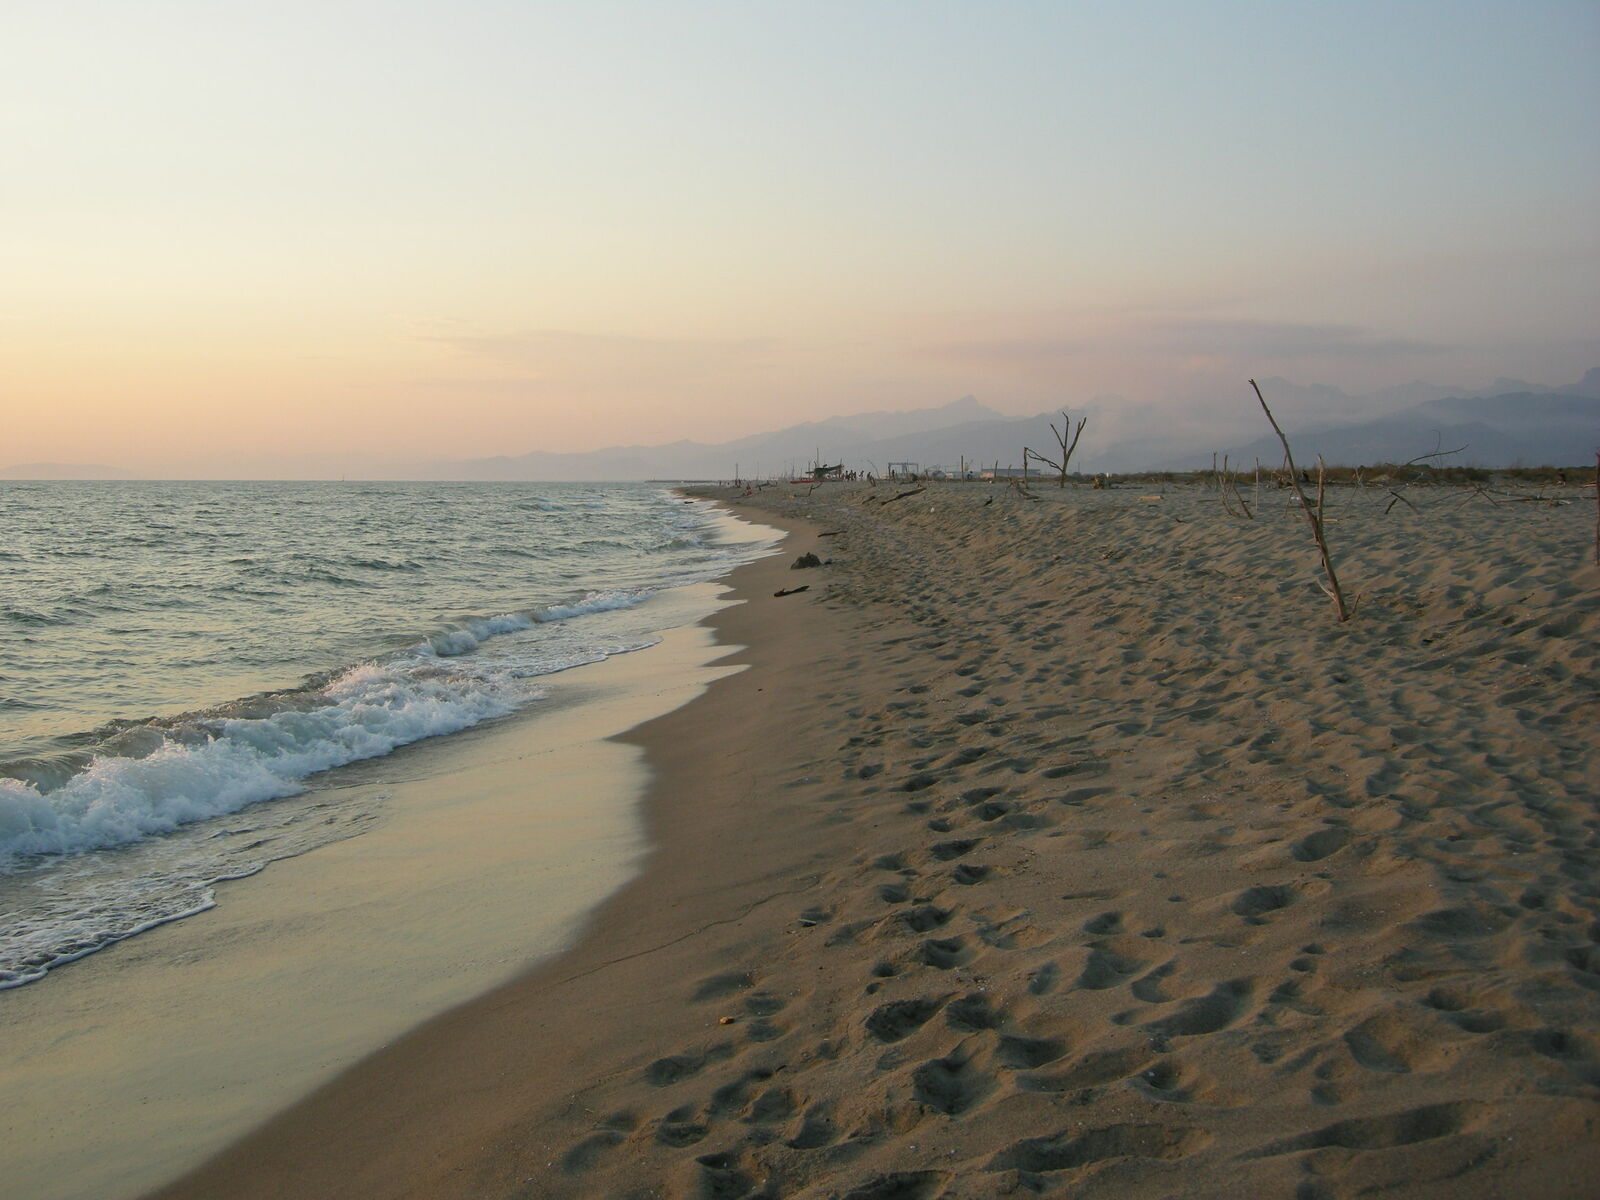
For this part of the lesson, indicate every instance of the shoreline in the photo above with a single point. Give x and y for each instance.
(467, 859)
(618, 937)
(1061, 845)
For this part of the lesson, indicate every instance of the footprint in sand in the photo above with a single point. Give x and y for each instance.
(717, 986)
(1072, 1149)
(944, 953)
(1405, 1128)
(1043, 979)
(681, 1134)
(924, 918)
(1149, 987)
(951, 1085)
(1107, 969)
(901, 1185)
(972, 1013)
(1028, 1054)
(1255, 903)
(1218, 1009)
(1105, 923)
(968, 874)
(588, 1153)
(901, 1018)
(817, 1129)
(1171, 1082)
(1317, 846)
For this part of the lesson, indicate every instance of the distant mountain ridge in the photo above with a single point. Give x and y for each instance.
(1528, 424)
(1530, 429)
(1531, 426)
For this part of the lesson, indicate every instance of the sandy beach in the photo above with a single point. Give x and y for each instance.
(1065, 846)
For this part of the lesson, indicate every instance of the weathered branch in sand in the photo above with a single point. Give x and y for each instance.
(1313, 515)
(1479, 490)
(1401, 499)
(1230, 491)
(914, 491)
(1438, 440)
(1067, 447)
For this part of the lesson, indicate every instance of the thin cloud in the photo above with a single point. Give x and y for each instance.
(1195, 341)
(1010, 350)
(540, 347)
(1281, 339)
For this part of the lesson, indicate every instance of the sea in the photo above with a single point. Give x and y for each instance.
(180, 662)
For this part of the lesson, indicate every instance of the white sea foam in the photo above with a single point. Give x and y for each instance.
(368, 710)
(593, 603)
(467, 636)
(277, 581)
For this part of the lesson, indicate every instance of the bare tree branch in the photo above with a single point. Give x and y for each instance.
(1313, 515)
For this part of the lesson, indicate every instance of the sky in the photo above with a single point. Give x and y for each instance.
(241, 238)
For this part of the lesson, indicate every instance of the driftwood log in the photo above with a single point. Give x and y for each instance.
(913, 492)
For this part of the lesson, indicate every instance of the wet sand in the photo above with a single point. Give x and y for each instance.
(484, 856)
(1065, 846)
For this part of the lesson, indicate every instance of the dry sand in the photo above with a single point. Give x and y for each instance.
(1066, 846)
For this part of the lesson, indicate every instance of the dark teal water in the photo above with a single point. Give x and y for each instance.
(175, 655)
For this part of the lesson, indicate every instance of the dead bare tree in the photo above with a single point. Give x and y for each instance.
(1067, 446)
(1313, 513)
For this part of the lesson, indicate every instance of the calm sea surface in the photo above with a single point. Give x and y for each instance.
(176, 659)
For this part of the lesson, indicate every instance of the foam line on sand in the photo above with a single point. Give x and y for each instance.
(1065, 846)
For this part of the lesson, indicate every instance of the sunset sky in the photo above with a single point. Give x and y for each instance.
(247, 238)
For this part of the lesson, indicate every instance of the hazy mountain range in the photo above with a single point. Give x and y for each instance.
(1524, 424)
(1509, 423)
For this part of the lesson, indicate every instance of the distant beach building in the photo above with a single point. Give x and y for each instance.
(1008, 473)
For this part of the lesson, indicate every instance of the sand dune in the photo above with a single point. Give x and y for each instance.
(1069, 846)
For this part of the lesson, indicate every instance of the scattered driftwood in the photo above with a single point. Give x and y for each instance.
(831, 533)
(1066, 446)
(1313, 514)
(792, 591)
(914, 491)
(1479, 490)
(805, 560)
(1229, 491)
(1434, 458)
(1438, 440)
(1022, 489)
(1398, 498)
